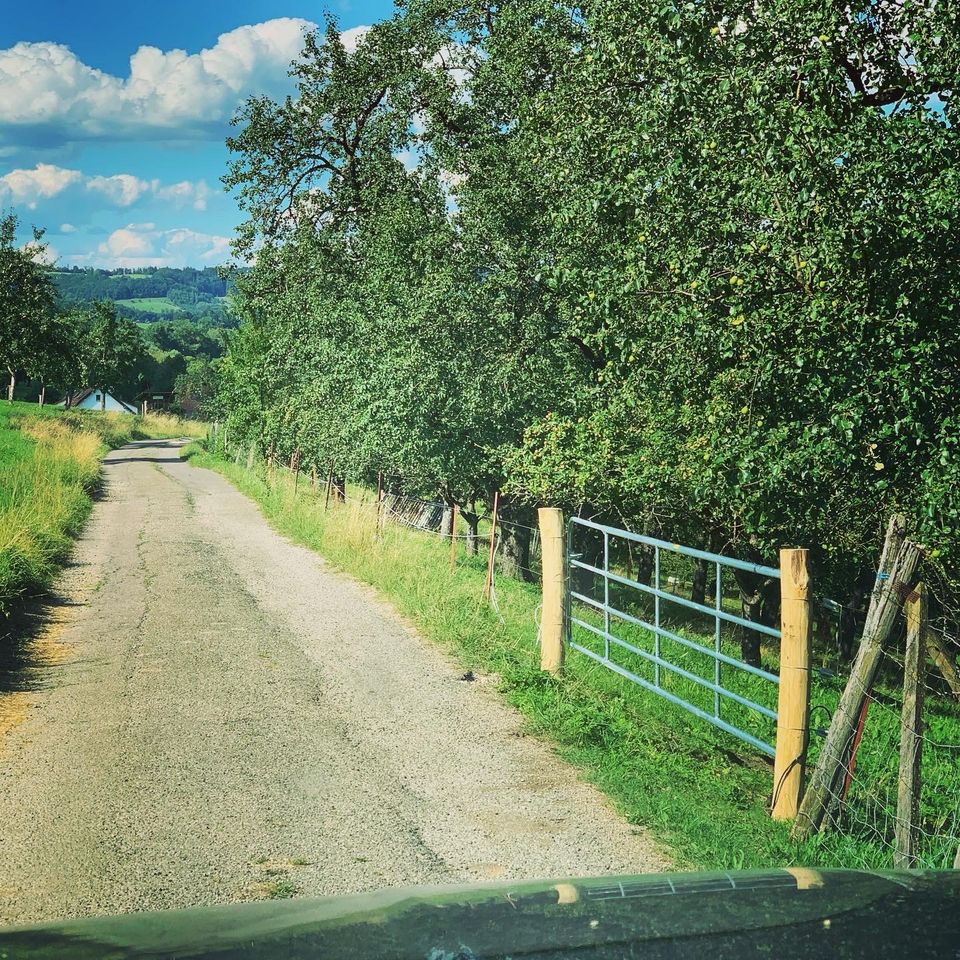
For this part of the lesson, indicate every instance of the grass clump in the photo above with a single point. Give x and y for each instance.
(698, 790)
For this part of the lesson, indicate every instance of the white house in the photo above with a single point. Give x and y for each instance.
(96, 399)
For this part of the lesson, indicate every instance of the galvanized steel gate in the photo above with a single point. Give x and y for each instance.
(607, 614)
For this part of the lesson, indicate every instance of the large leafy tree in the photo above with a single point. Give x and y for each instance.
(693, 267)
(111, 347)
(27, 300)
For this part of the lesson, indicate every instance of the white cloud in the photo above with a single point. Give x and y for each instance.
(42, 253)
(67, 228)
(122, 190)
(145, 245)
(49, 96)
(185, 193)
(351, 38)
(28, 187)
(31, 188)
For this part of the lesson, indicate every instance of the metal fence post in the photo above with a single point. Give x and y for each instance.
(793, 706)
(554, 613)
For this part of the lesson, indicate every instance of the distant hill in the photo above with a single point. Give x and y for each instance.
(151, 294)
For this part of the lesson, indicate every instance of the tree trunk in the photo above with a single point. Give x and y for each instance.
(701, 571)
(473, 531)
(758, 604)
(645, 563)
(851, 618)
(516, 523)
(43, 394)
(10, 386)
(698, 592)
(339, 488)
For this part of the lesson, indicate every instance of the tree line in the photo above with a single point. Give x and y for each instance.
(47, 343)
(184, 286)
(688, 269)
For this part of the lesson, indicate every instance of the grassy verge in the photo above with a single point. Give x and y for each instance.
(50, 466)
(698, 790)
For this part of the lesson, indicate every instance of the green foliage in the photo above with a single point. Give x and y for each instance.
(692, 270)
(29, 340)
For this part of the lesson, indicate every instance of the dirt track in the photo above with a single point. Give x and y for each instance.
(224, 718)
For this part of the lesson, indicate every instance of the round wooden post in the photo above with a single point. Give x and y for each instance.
(911, 732)
(492, 556)
(553, 616)
(793, 707)
(453, 537)
(379, 504)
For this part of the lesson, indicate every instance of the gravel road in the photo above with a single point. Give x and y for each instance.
(224, 717)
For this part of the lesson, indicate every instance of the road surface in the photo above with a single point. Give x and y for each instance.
(221, 716)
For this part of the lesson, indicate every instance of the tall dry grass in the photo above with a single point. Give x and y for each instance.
(44, 499)
(49, 466)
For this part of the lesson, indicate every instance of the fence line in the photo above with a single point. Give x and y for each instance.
(615, 612)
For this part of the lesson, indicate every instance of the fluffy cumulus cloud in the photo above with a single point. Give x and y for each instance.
(83, 194)
(48, 96)
(146, 245)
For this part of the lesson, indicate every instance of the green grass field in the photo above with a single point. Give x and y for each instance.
(151, 304)
(704, 793)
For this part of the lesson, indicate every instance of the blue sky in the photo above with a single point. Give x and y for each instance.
(113, 116)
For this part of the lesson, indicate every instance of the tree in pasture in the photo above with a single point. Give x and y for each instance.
(112, 346)
(26, 303)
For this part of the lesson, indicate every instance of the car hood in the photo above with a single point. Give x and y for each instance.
(779, 913)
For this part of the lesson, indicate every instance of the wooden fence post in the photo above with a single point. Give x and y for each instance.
(491, 557)
(380, 505)
(911, 732)
(553, 617)
(453, 537)
(295, 467)
(898, 564)
(326, 502)
(793, 706)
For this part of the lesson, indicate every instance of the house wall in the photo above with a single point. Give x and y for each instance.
(92, 403)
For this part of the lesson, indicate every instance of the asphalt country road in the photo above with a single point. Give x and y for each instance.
(226, 718)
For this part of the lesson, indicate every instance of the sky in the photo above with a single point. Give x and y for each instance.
(113, 118)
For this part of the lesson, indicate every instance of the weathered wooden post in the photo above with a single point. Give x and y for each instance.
(898, 564)
(553, 617)
(793, 706)
(911, 732)
(380, 505)
(326, 502)
(295, 467)
(491, 557)
(453, 537)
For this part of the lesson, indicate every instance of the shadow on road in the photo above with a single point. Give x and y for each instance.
(23, 657)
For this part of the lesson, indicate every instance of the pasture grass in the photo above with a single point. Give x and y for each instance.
(49, 471)
(701, 792)
(151, 304)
